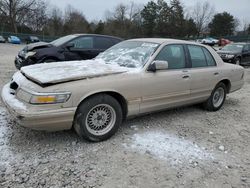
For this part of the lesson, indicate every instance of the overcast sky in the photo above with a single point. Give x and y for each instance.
(95, 9)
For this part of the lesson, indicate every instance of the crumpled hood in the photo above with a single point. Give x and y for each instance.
(59, 72)
(37, 45)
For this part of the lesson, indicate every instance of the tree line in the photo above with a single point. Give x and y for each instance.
(155, 19)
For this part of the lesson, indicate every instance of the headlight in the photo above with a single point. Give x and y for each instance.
(49, 98)
(229, 56)
(29, 54)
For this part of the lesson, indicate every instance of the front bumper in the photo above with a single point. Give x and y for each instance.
(21, 62)
(31, 116)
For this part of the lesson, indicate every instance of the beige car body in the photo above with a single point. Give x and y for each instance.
(138, 92)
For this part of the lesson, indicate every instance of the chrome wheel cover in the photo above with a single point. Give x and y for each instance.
(100, 119)
(218, 97)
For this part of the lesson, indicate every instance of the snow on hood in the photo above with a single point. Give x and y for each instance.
(58, 72)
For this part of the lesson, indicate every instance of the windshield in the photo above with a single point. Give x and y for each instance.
(233, 47)
(132, 54)
(62, 40)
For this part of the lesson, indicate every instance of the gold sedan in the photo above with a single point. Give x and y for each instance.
(131, 78)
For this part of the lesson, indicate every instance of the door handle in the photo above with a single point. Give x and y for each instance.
(216, 73)
(185, 76)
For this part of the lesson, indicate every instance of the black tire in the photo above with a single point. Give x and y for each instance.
(210, 103)
(237, 61)
(84, 129)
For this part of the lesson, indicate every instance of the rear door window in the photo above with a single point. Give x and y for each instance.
(197, 56)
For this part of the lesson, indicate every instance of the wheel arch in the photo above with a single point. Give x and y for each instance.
(227, 83)
(119, 97)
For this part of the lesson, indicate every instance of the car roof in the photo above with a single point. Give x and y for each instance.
(164, 40)
(87, 34)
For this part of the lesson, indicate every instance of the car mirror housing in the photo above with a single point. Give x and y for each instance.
(158, 65)
(70, 45)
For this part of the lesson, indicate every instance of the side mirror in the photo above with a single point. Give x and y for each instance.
(70, 45)
(158, 65)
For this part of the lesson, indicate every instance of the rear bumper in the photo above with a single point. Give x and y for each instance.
(236, 85)
(26, 116)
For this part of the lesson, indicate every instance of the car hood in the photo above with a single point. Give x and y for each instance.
(53, 73)
(37, 45)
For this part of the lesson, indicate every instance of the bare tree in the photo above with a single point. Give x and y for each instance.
(54, 26)
(245, 25)
(121, 12)
(75, 21)
(37, 19)
(202, 14)
(16, 10)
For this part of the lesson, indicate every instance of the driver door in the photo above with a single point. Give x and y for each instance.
(82, 49)
(166, 88)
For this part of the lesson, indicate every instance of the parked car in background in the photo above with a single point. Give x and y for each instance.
(198, 41)
(14, 40)
(236, 53)
(71, 47)
(131, 78)
(209, 41)
(2, 39)
(224, 42)
(32, 39)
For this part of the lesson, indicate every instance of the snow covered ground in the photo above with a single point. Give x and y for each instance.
(171, 148)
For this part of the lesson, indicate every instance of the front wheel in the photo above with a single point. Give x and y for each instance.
(217, 98)
(98, 118)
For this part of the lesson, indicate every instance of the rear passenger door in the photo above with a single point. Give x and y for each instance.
(204, 72)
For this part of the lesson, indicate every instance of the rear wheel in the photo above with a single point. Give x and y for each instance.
(217, 98)
(98, 118)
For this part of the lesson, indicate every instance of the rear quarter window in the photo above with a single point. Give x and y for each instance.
(209, 58)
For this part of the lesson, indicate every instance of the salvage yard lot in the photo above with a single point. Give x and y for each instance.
(184, 147)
